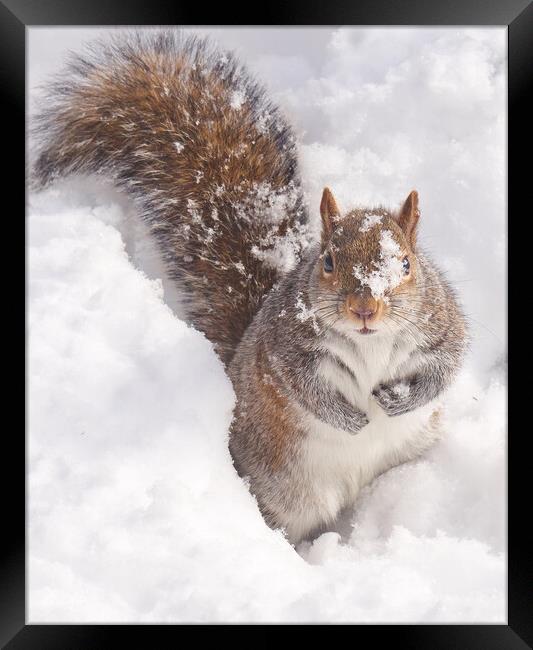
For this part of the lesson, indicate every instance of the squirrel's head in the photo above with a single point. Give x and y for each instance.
(367, 264)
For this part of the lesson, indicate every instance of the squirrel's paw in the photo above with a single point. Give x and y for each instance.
(393, 398)
(358, 422)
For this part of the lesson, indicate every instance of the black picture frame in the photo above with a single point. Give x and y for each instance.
(15, 16)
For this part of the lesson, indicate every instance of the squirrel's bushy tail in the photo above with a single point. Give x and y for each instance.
(206, 157)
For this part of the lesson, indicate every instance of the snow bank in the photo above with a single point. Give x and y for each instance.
(135, 510)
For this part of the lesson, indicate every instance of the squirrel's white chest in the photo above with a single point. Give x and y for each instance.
(341, 463)
(363, 367)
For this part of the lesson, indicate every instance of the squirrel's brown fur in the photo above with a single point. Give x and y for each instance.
(337, 371)
(193, 138)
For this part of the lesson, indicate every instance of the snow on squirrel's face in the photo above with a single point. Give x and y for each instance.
(367, 266)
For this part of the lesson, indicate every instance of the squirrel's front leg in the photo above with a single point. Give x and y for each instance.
(330, 406)
(300, 372)
(403, 395)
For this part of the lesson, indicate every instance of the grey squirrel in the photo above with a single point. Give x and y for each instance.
(338, 349)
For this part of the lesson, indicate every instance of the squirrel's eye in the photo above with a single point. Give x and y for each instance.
(328, 263)
(406, 265)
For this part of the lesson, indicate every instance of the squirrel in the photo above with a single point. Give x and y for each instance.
(338, 349)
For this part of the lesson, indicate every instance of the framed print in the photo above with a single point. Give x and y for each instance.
(266, 294)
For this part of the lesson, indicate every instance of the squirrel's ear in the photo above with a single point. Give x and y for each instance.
(329, 212)
(408, 217)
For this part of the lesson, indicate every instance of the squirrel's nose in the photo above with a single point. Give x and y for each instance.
(363, 313)
(362, 307)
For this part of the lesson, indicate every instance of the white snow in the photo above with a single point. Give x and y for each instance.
(135, 512)
(238, 97)
(402, 389)
(387, 272)
(305, 313)
(283, 253)
(369, 221)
